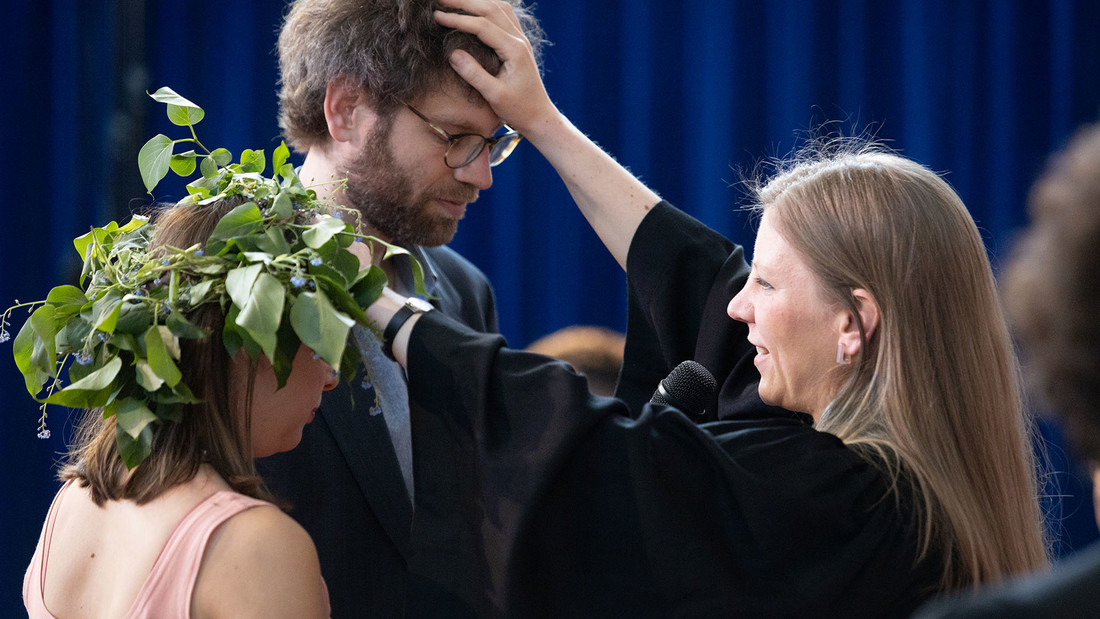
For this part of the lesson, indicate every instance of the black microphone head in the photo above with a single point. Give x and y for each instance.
(688, 387)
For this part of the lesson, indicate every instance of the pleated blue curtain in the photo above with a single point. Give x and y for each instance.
(689, 96)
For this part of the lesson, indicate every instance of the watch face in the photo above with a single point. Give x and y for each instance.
(418, 304)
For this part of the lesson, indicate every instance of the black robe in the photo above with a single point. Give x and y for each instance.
(559, 503)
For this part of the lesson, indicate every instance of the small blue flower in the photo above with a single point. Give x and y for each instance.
(4, 336)
(102, 336)
(374, 410)
(367, 385)
(199, 253)
(165, 262)
(44, 434)
(316, 261)
(298, 281)
(84, 358)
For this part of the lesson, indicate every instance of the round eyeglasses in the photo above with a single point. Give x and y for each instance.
(463, 148)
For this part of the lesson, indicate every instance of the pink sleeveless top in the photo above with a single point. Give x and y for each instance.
(168, 588)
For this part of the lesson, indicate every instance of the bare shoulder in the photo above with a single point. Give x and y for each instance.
(260, 563)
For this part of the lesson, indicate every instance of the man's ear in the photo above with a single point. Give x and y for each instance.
(346, 110)
(850, 344)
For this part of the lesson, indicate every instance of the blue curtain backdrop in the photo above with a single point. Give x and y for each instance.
(689, 97)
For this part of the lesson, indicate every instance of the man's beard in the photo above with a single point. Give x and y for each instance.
(383, 193)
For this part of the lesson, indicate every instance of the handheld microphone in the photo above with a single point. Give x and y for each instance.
(688, 387)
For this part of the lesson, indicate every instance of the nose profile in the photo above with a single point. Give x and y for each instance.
(739, 307)
(332, 379)
(476, 173)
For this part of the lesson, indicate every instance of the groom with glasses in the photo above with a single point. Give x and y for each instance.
(388, 129)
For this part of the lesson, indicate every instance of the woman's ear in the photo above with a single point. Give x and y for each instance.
(850, 343)
(344, 109)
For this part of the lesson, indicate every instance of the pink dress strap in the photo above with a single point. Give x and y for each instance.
(167, 592)
(36, 571)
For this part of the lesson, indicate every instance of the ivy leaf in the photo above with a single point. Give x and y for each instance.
(105, 311)
(154, 160)
(34, 354)
(320, 326)
(183, 165)
(209, 167)
(134, 450)
(161, 346)
(279, 157)
(283, 207)
(92, 391)
(221, 157)
(181, 327)
(319, 233)
(146, 376)
(132, 415)
(369, 286)
(253, 161)
(262, 310)
(180, 111)
(273, 242)
(241, 221)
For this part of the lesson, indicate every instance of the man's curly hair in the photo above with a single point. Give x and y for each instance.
(394, 49)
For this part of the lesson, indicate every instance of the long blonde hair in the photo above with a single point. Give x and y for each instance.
(935, 391)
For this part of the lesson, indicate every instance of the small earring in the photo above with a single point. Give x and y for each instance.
(842, 357)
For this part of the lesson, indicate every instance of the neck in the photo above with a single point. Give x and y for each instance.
(322, 173)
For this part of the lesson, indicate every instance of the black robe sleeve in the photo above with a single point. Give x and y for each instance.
(575, 505)
(682, 276)
(573, 508)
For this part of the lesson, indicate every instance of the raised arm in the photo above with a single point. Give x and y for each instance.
(609, 196)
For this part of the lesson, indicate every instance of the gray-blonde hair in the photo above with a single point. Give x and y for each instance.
(935, 389)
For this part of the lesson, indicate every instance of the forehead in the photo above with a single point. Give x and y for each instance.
(773, 255)
(458, 111)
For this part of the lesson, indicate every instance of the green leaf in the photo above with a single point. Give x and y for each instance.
(221, 157)
(324, 229)
(262, 311)
(34, 357)
(208, 167)
(273, 242)
(183, 165)
(182, 327)
(283, 206)
(134, 450)
(92, 391)
(279, 157)
(241, 221)
(180, 111)
(369, 287)
(66, 295)
(132, 415)
(154, 160)
(146, 376)
(133, 318)
(161, 346)
(320, 326)
(239, 282)
(105, 311)
(253, 161)
(99, 379)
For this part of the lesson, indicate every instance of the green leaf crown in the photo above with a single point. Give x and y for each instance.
(278, 264)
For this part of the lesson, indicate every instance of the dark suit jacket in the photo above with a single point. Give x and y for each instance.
(344, 484)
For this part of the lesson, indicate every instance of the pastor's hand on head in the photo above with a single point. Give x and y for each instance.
(516, 93)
